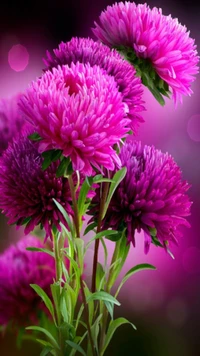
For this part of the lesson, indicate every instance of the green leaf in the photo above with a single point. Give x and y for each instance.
(110, 308)
(104, 296)
(64, 213)
(114, 237)
(100, 179)
(79, 243)
(100, 277)
(95, 332)
(90, 227)
(76, 347)
(45, 250)
(135, 269)
(157, 95)
(63, 306)
(101, 234)
(61, 170)
(114, 324)
(47, 333)
(45, 298)
(120, 253)
(153, 231)
(35, 137)
(118, 177)
(46, 350)
(90, 303)
(26, 220)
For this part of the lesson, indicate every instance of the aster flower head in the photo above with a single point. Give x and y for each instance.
(11, 121)
(85, 50)
(27, 191)
(79, 111)
(19, 268)
(158, 45)
(152, 196)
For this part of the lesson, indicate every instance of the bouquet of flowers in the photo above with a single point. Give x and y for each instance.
(73, 167)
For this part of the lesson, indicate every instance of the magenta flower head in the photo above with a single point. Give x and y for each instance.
(152, 197)
(78, 110)
(158, 46)
(11, 121)
(27, 191)
(85, 50)
(19, 303)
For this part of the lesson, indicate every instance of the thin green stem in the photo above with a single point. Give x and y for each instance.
(58, 267)
(75, 207)
(105, 310)
(77, 227)
(96, 247)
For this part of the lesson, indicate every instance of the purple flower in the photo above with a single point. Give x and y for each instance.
(78, 110)
(11, 121)
(27, 192)
(152, 196)
(19, 268)
(152, 37)
(85, 50)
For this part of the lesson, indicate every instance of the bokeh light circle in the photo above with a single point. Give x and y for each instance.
(18, 57)
(193, 128)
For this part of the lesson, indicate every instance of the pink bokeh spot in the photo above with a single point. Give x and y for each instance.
(193, 128)
(18, 58)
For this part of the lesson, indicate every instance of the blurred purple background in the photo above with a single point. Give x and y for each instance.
(164, 304)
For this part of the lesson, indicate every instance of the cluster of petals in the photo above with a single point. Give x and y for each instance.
(85, 50)
(19, 268)
(79, 110)
(151, 196)
(27, 191)
(11, 121)
(155, 37)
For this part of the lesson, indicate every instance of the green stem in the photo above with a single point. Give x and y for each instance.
(105, 310)
(58, 266)
(96, 248)
(77, 227)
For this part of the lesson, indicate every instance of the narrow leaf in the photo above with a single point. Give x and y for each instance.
(101, 234)
(76, 347)
(90, 227)
(47, 333)
(35, 137)
(135, 269)
(110, 308)
(64, 213)
(62, 167)
(40, 250)
(114, 324)
(104, 296)
(46, 351)
(45, 298)
(118, 177)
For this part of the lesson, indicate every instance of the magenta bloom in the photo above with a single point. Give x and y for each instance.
(152, 196)
(11, 121)
(85, 50)
(153, 37)
(19, 268)
(78, 110)
(27, 192)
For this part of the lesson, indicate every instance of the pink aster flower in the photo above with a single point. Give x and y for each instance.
(11, 121)
(85, 50)
(79, 110)
(27, 192)
(152, 196)
(153, 38)
(19, 303)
